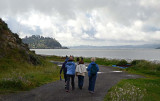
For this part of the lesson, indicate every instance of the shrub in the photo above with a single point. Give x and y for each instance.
(134, 62)
(15, 83)
(122, 62)
(35, 59)
(158, 67)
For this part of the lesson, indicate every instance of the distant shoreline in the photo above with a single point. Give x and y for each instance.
(128, 60)
(51, 48)
(119, 54)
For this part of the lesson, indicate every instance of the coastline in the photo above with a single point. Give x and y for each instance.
(119, 54)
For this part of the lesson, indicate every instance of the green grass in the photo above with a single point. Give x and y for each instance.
(17, 76)
(55, 58)
(143, 89)
(135, 90)
(100, 61)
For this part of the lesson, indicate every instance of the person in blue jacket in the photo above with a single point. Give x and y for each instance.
(64, 70)
(70, 65)
(92, 74)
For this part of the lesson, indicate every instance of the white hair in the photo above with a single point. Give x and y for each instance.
(93, 59)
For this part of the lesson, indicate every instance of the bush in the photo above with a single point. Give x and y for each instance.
(135, 62)
(35, 59)
(158, 67)
(10, 83)
(122, 62)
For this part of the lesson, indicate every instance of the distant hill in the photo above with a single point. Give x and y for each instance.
(151, 46)
(158, 48)
(40, 42)
(13, 49)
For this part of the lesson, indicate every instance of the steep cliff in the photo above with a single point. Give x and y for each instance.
(12, 47)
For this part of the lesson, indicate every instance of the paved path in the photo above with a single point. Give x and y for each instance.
(107, 77)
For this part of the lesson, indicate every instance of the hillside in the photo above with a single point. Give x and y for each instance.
(20, 68)
(158, 48)
(12, 47)
(40, 42)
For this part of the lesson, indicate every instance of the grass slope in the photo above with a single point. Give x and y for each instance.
(17, 76)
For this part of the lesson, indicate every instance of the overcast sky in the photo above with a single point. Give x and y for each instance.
(85, 22)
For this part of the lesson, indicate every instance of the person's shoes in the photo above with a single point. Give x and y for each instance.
(80, 88)
(92, 92)
(67, 90)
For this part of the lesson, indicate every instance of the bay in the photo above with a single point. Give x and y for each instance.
(128, 54)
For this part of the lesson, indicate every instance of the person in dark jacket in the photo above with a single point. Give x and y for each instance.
(70, 65)
(92, 77)
(64, 70)
(77, 61)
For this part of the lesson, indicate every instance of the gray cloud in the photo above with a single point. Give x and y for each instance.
(106, 21)
(17, 27)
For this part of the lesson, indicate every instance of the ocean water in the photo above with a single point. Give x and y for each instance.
(128, 54)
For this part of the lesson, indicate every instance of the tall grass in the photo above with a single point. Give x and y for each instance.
(135, 90)
(17, 76)
(144, 67)
(55, 58)
(107, 62)
(146, 89)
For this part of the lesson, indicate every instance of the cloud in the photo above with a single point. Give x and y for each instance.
(89, 22)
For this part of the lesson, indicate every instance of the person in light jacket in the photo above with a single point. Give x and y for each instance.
(80, 72)
(70, 65)
(92, 74)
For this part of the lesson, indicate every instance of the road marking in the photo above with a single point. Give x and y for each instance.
(100, 72)
(116, 71)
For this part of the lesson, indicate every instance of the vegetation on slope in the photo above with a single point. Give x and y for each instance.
(18, 76)
(12, 47)
(20, 68)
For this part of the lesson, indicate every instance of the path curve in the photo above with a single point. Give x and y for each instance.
(107, 77)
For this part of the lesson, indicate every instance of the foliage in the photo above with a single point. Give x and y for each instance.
(122, 62)
(145, 67)
(135, 90)
(20, 68)
(40, 42)
(55, 58)
(145, 89)
(17, 76)
(13, 48)
(103, 61)
(3, 26)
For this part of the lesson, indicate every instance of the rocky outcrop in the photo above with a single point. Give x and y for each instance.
(11, 46)
(40, 42)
